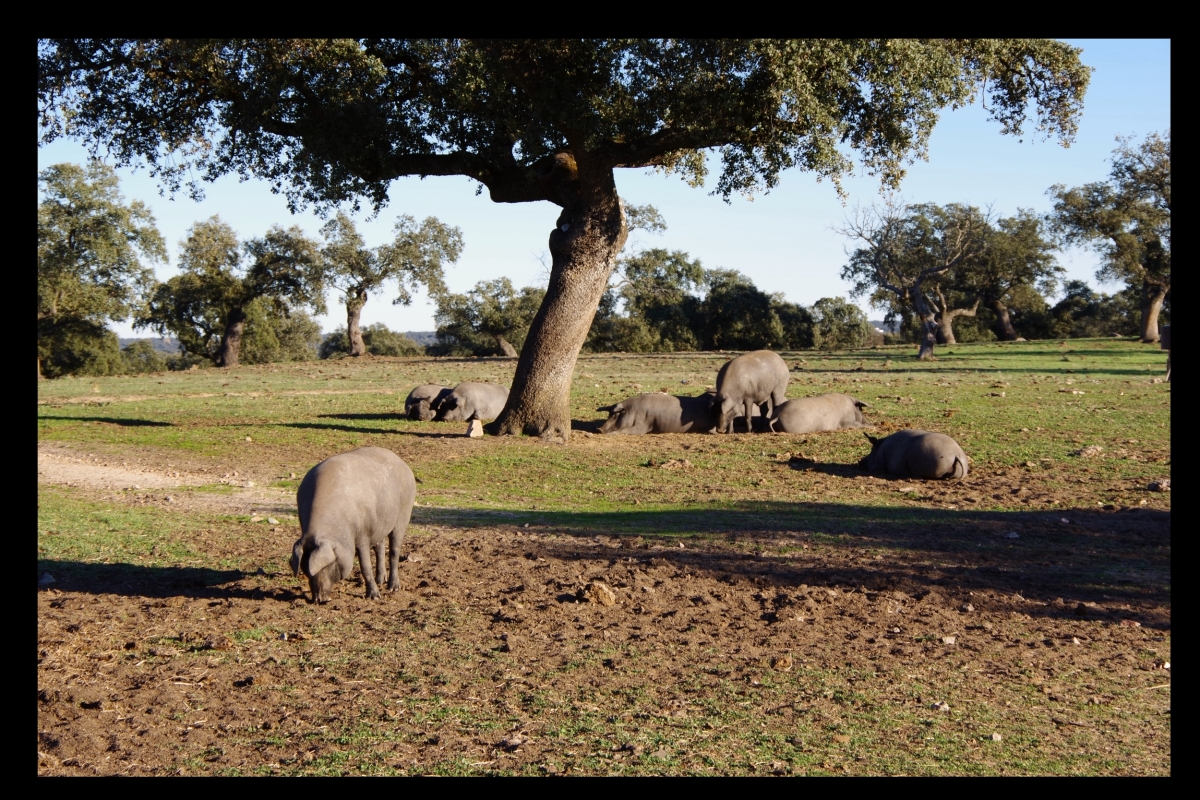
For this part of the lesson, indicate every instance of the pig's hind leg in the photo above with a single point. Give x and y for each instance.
(380, 562)
(364, 562)
(395, 539)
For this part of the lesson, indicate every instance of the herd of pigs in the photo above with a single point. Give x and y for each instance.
(359, 501)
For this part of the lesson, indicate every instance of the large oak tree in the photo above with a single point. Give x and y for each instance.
(909, 257)
(218, 290)
(548, 120)
(1128, 220)
(414, 258)
(91, 247)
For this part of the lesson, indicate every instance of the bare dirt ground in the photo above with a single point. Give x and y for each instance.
(551, 649)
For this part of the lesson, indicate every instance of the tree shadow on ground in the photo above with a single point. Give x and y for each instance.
(143, 581)
(1120, 560)
(126, 422)
(396, 417)
(329, 426)
(1111, 556)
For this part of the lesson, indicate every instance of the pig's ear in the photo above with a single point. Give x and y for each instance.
(872, 439)
(297, 554)
(320, 558)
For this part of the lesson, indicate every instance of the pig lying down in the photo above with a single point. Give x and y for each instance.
(350, 504)
(916, 454)
(473, 401)
(656, 412)
(423, 401)
(827, 412)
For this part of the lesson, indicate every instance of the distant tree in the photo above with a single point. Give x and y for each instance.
(74, 346)
(140, 357)
(493, 318)
(839, 325)
(613, 331)
(797, 322)
(658, 289)
(547, 119)
(91, 248)
(905, 258)
(1084, 313)
(378, 338)
(271, 336)
(666, 301)
(414, 258)
(207, 305)
(1128, 221)
(1016, 267)
(737, 315)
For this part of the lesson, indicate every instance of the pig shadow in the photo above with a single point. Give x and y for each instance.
(158, 582)
(125, 422)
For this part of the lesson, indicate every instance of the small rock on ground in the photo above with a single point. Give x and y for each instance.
(598, 593)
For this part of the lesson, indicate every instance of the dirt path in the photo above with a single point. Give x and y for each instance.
(134, 483)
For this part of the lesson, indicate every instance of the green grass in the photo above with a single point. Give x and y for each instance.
(1039, 421)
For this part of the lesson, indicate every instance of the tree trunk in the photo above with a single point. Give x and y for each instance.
(1153, 295)
(583, 247)
(946, 322)
(945, 332)
(1004, 329)
(355, 300)
(929, 328)
(231, 342)
(506, 347)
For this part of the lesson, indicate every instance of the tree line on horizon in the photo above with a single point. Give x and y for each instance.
(941, 273)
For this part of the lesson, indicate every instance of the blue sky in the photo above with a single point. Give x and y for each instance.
(783, 240)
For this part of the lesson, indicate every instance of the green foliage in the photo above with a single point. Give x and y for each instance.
(74, 346)
(334, 120)
(657, 289)
(469, 324)
(140, 357)
(927, 262)
(379, 339)
(271, 336)
(1127, 219)
(218, 291)
(414, 258)
(839, 325)
(91, 246)
(736, 315)
(1085, 313)
(656, 306)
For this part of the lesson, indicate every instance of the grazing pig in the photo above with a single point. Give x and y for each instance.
(660, 413)
(352, 503)
(744, 382)
(916, 454)
(423, 401)
(473, 401)
(827, 412)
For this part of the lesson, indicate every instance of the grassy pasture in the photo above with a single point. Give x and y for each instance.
(777, 610)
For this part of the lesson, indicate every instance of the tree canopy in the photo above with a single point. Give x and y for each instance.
(485, 319)
(335, 120)
(207, 305)
(1127, 219)
(92, 246)
(907, 258)
(414, 258)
